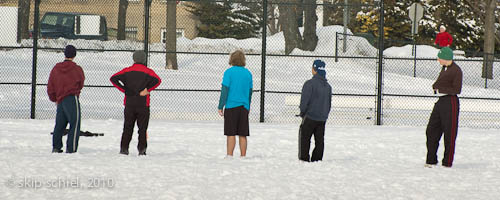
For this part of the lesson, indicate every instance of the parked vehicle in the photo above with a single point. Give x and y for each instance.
(73, 26)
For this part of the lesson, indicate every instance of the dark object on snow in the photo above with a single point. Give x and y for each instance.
(83, 133)
(124, 151)
(57, 151)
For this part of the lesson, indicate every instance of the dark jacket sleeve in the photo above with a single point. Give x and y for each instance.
(305, 97)
(116, 78)
(154, 81)
(330, 100)
(250, 100)
(223, 97)
(82, 77)
(51, 90)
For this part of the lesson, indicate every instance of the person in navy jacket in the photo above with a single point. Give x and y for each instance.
(315, 105)
(64, 86)
(136, 81)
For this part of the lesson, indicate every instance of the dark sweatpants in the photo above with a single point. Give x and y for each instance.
(308, 128)
(68, 111)
(133, 114)
(444, 118)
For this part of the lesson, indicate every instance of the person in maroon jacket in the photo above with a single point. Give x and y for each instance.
(444, 116)
(64, 86)
(443, 38)
(136, 81)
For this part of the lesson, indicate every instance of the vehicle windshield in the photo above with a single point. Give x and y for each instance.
(58, 20)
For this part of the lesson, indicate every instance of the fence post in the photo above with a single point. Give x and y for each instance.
(415, 57)
(35, 57)
(147, 5)
(380, 63)
(263, 57)
(336, 46)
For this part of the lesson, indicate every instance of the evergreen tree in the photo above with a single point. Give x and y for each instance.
(458, 17)
(397, 24)
(460, 21)
(226, 20)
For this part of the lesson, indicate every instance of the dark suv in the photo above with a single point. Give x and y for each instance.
(73, 26)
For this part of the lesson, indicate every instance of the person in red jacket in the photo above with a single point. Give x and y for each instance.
(443, 38)
(136, 81)
(64, 86)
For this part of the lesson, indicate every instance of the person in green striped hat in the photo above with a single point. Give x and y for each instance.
(444, 116)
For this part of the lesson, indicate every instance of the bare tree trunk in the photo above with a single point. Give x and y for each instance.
(288, 21)
(489, 39)
(299, 12)
(310, 38)
(171, 40)
(272, 22)
(122, 17)
(23, 20)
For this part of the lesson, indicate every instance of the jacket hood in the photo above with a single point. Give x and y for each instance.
(66, 66)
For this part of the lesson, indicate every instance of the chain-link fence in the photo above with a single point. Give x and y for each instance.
(409, 101)
(106, 32)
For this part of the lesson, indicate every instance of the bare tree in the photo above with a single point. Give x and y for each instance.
(171, 40)
(23, 20)
(288, 13)
(489, 38)
(122, 16)
(272, 23)
(288, 22)
(488, 15)
(310, 40)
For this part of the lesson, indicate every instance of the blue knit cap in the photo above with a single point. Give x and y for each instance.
(70, 51)
(319, 67)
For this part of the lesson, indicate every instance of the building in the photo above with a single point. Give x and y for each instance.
(186, 22)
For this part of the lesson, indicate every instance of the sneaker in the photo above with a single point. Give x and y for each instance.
(228, 157)
(57, 151)
(123, 151)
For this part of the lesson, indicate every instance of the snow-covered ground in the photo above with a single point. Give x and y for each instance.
(186, 161)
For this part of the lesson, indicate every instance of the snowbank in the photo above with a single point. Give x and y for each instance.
(275, 44)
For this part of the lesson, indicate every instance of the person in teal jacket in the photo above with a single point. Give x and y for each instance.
(236, 95)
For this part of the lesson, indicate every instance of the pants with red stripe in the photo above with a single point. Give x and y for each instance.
(444, 119)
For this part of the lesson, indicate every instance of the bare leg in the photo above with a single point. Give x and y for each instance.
(231, 143)
(243, 145)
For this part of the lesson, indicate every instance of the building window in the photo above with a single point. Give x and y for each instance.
(179, 33)
(131, 33)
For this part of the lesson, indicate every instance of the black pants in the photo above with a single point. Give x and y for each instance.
(68, 111)
(308, 128)
(133, 114)
(444, 118)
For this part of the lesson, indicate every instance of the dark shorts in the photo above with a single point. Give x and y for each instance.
(236, 122)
